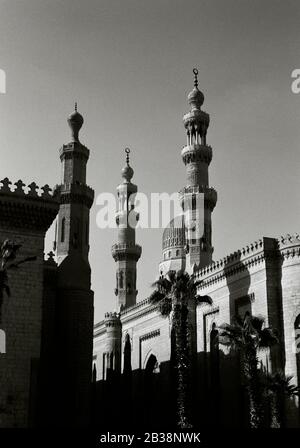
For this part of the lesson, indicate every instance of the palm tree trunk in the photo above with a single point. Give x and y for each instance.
(180, 313)
(274, 411)
(252, 388)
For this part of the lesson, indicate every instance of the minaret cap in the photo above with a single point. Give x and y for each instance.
(196, 97)
(75, 122)
(127, 171)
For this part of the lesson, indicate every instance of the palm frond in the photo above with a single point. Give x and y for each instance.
(156, 296)
(267, 338)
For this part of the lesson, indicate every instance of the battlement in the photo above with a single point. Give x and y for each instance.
(32, 190)
(28, 206)
(289, 246)
(112, 319)
(289, 240)
(235, 257)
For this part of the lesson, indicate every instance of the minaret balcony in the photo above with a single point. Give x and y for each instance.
(123, 251)
(76, 193)
(210, 194)
(196, 116)
(196, 153)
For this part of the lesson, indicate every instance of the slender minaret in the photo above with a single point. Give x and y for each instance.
(126, 252)
(76, 197)
(197, 198)
(74, 305)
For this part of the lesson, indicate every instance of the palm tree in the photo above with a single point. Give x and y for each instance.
(278, 386)
(8, 254)
(247, 336)
(172, 295)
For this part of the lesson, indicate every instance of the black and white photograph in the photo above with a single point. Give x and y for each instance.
(149, 222)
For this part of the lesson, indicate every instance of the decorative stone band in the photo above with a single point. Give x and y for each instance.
(74, 150)
(210, 195)
(150, 335)
(125, 251)
(76, 193)
(30, 210)
(196, 153)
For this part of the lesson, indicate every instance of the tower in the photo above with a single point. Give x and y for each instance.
(76, 197)
(126, 252)
(74, 307)
(197, 198)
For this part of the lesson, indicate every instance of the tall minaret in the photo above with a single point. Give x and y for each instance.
(197, 198)
(74, 309)
(126, 252)
(76, 197)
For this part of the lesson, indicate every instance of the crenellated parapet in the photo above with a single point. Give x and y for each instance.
(112, 320)
(236, 262)
(289, 246)
(28, 206)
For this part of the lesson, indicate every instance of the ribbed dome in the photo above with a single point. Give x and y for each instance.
(174, 234)
(196, 98)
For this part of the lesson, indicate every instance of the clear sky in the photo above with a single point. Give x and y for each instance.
(129, 64)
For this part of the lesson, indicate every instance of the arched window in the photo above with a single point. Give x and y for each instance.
(127, 354)
(177, 253)
(63, 230)
(152, 364)
(121, 280)
(214, 354)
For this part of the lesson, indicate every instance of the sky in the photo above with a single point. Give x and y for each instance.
(128, 64)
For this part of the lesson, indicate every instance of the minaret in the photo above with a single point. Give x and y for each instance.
(74, 306)
(126, 252)
(76, 197)
(197, 198)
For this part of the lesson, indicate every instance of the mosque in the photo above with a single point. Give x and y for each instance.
(262, 278)
(59, 369)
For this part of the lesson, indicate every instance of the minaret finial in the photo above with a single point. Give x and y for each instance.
(75, 106)
(127, 171)
(127, 150)
(195, 71)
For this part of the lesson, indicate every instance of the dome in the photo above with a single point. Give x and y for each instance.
(196, 98)
(174, 233)
(75, 121)
(127, 173)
